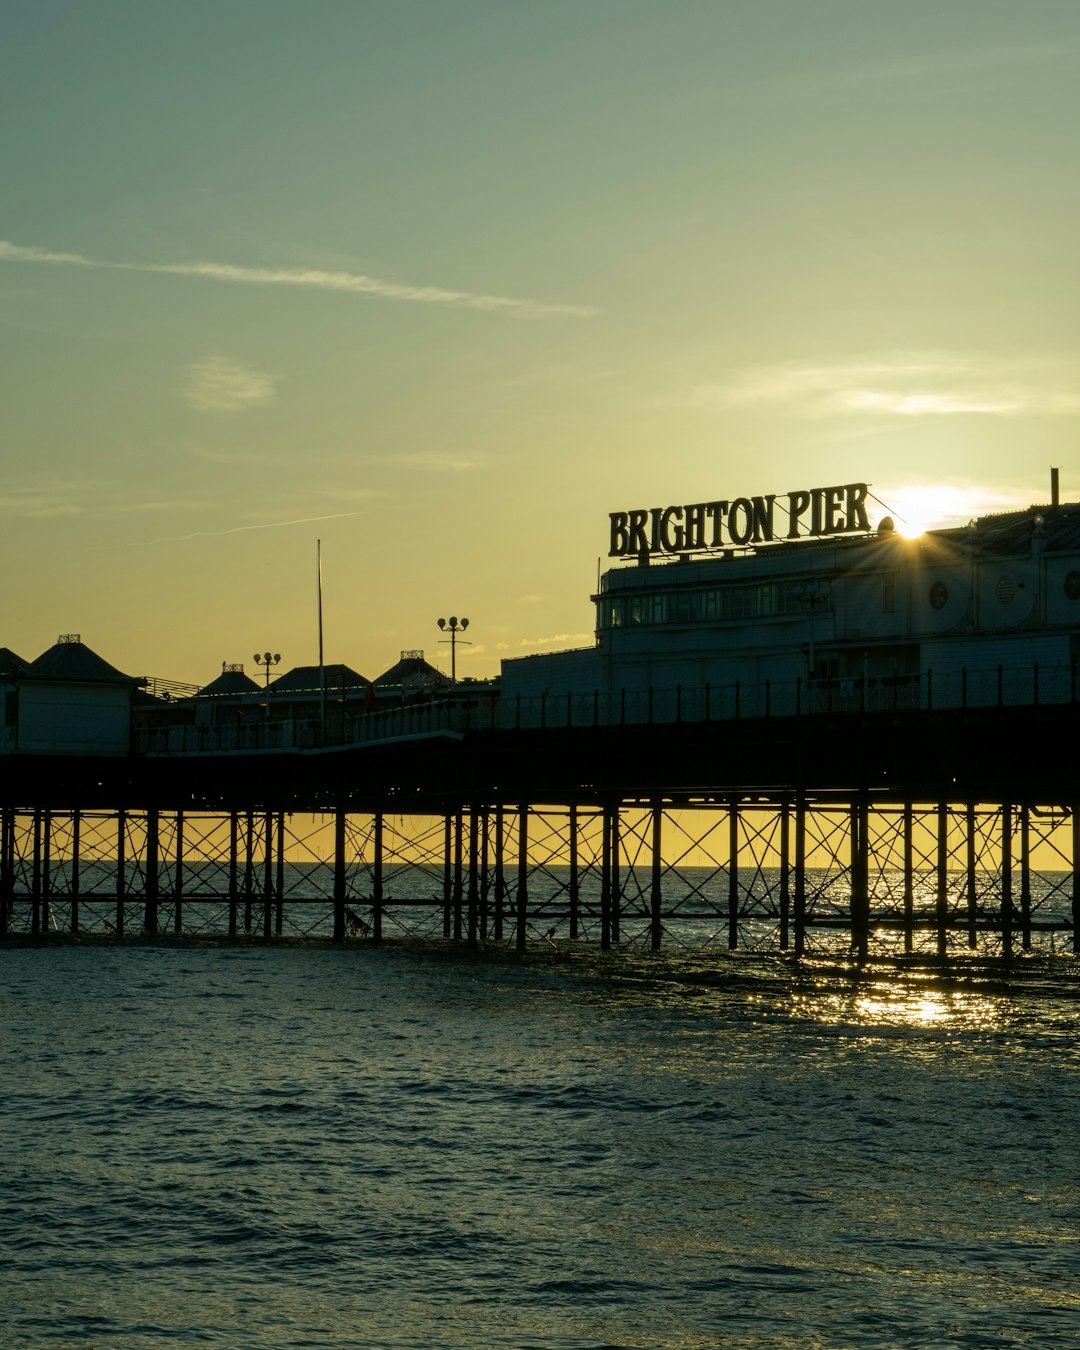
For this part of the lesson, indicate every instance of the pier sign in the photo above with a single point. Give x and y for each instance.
(809, 513)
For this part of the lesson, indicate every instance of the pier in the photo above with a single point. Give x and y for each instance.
(875, 829)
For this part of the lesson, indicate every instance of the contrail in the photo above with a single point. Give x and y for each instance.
(352, 283)
(238, 529)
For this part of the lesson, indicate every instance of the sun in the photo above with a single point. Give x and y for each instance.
(918, 507)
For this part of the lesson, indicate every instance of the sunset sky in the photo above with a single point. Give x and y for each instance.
(443, 284)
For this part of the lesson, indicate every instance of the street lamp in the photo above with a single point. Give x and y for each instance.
(454, 626)
(265, 661)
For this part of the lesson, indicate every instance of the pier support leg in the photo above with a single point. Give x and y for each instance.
(733, 874)
(339, 874)
(377, 882)
(473, 909)
(150, 907)
(605, 883)
(785, 875)
(616, 876)
(35, 879)
(656, 926)
(860, 876)
(800, 874)
(972, 880)
(1076, 878)
(178, 875)
(1025, 878)
(234, 867)
(523, 876)
(575, 880)
(459, 848)
(941, 899)
(1006, 881)
(500, 873)
(121, 870)
(7, 867)
(46, 871)
(279, 886)
(448, 872)
(909, 878)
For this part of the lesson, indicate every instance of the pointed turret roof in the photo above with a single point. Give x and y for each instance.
(412, 669)
(232, 680)
(12, 667)
(71, 659)
(305, 680)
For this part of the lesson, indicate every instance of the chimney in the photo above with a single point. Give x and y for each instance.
(1055, 495)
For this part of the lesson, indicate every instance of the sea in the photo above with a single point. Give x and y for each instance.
(264, 1145)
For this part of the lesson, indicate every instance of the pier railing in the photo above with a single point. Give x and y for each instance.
(996, 687)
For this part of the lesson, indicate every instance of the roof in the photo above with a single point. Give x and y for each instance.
(230, 682)
(412, 670)
(306, 680)
(73, 660)
(11, 666)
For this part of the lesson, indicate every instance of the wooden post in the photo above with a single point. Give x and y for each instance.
(377, 882)
(656, 927)
(523, 875)
(339, 874)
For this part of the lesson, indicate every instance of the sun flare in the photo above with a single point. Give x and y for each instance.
(918, 507)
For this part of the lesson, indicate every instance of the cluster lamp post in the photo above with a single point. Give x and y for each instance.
(264, 662)
(453, 626)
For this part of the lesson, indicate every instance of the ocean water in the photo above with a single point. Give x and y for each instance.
(296, 1145)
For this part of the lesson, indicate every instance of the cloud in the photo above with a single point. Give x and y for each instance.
(560, 640)
(240, 529)
(919, 384)
(349, 283)
(220, 384)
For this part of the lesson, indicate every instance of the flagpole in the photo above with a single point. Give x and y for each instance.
(322, 667)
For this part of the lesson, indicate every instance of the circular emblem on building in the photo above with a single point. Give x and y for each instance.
(1006, 590)
(1072, 585)
(939, 594)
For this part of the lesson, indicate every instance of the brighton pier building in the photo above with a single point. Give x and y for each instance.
(802, 602)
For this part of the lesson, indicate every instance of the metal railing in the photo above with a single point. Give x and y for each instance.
(998, 687)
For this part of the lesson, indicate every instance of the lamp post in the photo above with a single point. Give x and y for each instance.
(265, 661)
(453, 626)
(808, 596)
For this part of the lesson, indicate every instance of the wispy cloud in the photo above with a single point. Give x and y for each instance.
(559, 640)
(911, 384)
(240, 529)
(220, 384)
(349, 283)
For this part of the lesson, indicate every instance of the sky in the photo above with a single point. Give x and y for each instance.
(443, 284)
